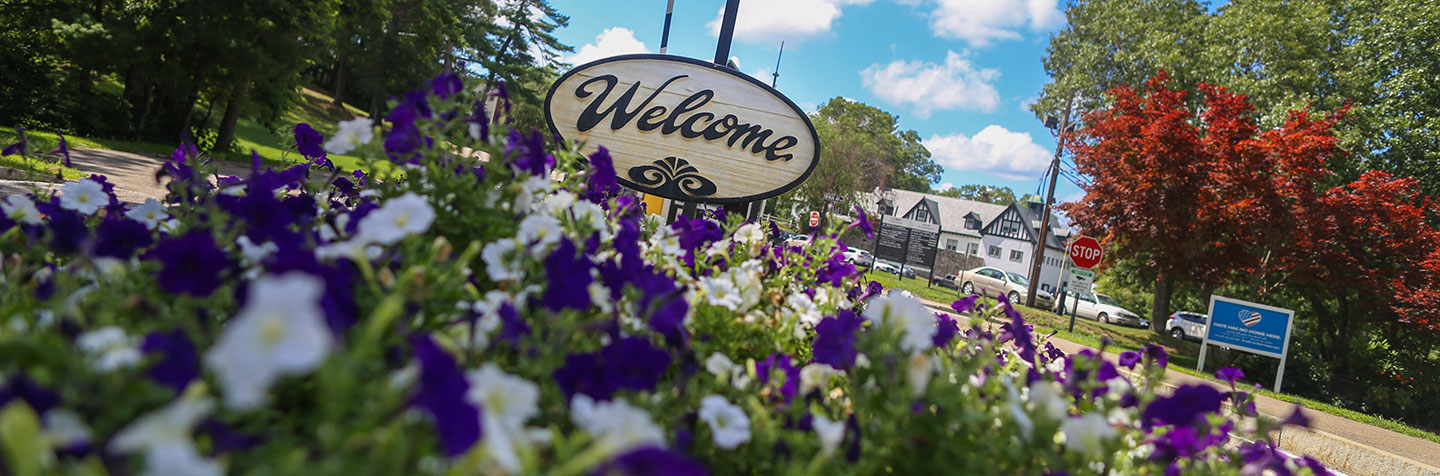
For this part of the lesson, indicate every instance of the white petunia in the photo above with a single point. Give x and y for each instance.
(720, 365)
(506, 402)
(831, 433)
(906, 312)
(253, 253)
(20, 208)
(558, 203)
(63, 427)
(110, 348)
(539, 231)
(280, 331)
(616, 424)
(163, 436)
(815, 376)
(502, 261)
(749, 233)
(151, 213)
(84, 196)
(353, 133)
(720, 291)
(918, 373)
(397, 218)
(729, 425)
(1087, 433)
(1046, 399)
(799, 306)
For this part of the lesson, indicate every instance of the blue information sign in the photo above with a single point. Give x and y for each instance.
(1250, 327)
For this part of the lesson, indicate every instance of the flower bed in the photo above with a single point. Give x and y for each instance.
(520, 317)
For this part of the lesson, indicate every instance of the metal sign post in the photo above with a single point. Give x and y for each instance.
(1250, 327)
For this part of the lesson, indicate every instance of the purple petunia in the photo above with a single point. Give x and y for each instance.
(527, 154)
(442, 389)
(652, 461)
(190, 264)
(601, 182)
(63, 151)
(835, 340)
(945, 329)
(628, 363)
(446, 85)
(177, 363)
(1129, 358)
(18, 147)
(569, 274)
(1156, 355)
(68, 232)
(309, 142)
(121, 238)
(20, 387)
(835, 271)
(1230, 374)
(786, 372)
(965, 304)
(863, 223)
(1184, 406)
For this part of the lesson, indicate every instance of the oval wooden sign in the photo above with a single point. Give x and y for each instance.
(686, 129)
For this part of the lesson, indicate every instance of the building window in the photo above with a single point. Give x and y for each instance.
(887, 210)
(922, 215)
(952, 244)
(972, 249)
(994, 251)
(1045, 287)
(971, 223)
(1017, 255)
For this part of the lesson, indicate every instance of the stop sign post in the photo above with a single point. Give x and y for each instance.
(814, 219)
(1085, 253)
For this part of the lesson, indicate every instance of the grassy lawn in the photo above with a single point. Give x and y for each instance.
(277, 150)
(1183, 354)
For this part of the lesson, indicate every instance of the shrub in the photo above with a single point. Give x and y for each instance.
(521, 315)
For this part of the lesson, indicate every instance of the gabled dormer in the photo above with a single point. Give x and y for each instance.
(1010, 224)
(926, 210)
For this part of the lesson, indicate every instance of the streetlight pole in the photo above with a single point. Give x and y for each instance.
(1044, 233)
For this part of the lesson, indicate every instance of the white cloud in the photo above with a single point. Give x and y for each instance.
(611, 42)
(956, 84)
(980, 22)
(789, 20)
(808, 107)
(762, 74)
(994, 150)
(944, 186)
(1027, 102)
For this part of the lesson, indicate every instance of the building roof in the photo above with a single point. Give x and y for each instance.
(1056, 237)
(952, 210)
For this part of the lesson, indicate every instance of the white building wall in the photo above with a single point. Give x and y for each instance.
(962, 243)
(1049, 273)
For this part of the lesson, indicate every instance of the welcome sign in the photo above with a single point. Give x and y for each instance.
(686, 129)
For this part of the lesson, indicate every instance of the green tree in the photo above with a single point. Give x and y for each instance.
(862, 148)
(996, 194)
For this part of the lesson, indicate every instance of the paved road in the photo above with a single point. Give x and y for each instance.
(1417, 449)
(132, 174)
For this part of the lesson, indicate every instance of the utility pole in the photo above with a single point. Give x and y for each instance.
(1044, 233)
(775, 77)
(665, 35)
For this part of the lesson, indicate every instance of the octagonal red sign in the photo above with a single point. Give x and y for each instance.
(1085, 252)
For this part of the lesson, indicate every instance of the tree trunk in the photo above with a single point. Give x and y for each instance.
(340, 80)
(226, 136)
(1160, 307)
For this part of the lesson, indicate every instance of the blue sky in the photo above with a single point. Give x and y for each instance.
(959, 72)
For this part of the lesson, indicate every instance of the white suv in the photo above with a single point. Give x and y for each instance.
(1186, 325)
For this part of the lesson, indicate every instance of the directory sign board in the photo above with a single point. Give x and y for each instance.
(909, 242)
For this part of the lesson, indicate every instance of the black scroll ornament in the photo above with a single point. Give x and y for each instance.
(672, 177)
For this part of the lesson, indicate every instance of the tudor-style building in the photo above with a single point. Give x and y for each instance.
(1003, 236)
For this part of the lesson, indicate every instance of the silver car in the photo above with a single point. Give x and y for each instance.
(1102, 308)
(990, 281)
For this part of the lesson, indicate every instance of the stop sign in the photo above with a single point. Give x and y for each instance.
(814, 219)
(1085, 252)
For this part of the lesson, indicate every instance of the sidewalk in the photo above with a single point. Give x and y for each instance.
(133, 175)
(1350, 446)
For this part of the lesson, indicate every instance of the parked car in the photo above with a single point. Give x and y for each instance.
(946, 281)
(1103, 308)
(906, 272)
(1187, 325)
(859, 257)
(886, 268)
(798, 240)
(990, 281)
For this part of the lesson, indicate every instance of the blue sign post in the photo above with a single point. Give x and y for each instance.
(1251, 327)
